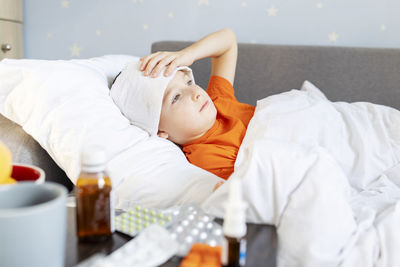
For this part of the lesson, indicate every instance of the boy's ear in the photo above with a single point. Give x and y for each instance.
(162, 134)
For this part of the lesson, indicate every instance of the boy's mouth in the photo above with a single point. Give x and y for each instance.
(204, 105)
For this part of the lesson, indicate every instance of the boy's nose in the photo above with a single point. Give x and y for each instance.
(195, 96)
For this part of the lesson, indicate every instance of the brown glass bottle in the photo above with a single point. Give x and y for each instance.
(94, 207)
(235, 252)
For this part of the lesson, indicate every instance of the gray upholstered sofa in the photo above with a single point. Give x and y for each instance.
(342, 73)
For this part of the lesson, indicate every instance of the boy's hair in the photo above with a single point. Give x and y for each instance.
(140, 97)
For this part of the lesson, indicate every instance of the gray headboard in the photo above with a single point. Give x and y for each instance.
(342, 73)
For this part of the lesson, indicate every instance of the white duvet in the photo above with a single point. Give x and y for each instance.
(326, 174)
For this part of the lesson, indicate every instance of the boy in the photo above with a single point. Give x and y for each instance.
(208, 125)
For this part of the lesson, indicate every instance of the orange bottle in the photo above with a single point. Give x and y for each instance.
(94, 198)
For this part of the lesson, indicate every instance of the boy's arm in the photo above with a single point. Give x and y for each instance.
(221, 46)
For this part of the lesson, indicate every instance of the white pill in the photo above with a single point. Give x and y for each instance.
(195, 232)
(203, 236)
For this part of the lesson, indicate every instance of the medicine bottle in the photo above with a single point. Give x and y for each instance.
(94, 198)
(234, 227)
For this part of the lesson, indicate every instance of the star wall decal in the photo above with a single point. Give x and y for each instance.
(65, 3)
(75, 50)
(203, 3)
(333, 37)
(272, 11)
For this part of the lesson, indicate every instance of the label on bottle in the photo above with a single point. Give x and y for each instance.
(224, 255)
(112, 211)
(242, 255)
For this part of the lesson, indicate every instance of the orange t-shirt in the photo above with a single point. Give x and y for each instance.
(217, 149)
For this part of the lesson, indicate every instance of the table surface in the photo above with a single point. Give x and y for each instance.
(261, 245)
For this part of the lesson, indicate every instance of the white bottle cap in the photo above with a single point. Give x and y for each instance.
(235, 211)
(93, 159)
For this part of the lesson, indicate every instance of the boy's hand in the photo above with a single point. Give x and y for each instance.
(154, 63)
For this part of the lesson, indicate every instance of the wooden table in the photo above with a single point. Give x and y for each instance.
(261, 245)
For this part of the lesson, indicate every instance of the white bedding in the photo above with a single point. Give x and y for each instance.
(326, 174)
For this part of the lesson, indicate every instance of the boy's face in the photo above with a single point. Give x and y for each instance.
(187, 111)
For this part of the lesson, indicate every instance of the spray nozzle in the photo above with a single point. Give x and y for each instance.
(235, 211)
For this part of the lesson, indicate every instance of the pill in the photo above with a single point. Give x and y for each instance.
(176, 212)
(217, 232)
(212, 242)
(189, 239)
(203, 235)
(206, 218)
(195, 232)
(200, 225)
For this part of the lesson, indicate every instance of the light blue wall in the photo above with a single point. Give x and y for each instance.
(62, 29)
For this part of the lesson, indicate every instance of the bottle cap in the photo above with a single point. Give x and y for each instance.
(93, 159)
(235, 211)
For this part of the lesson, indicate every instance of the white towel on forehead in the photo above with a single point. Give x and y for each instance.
(140, 97)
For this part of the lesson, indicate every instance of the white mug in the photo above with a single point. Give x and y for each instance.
(33, 224)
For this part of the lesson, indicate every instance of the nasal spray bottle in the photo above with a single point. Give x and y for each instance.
(234, 227)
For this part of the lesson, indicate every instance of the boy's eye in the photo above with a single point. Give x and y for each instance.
(190, 82)
(176, 98)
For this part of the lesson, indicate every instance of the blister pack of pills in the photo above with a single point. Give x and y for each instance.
(186, 224)
(191, 226)
(133, 221)
(152, 247)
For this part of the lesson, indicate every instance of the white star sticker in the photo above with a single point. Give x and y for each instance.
(272, 11)
(333, 37)
(203, 3)
(319, 5)
(383, 27)
(244, 4)
(171, 15)
(98, 32)
(145, 26)
(65, 4)
(75, 50)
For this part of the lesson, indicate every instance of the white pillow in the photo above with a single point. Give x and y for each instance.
(65, 105)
